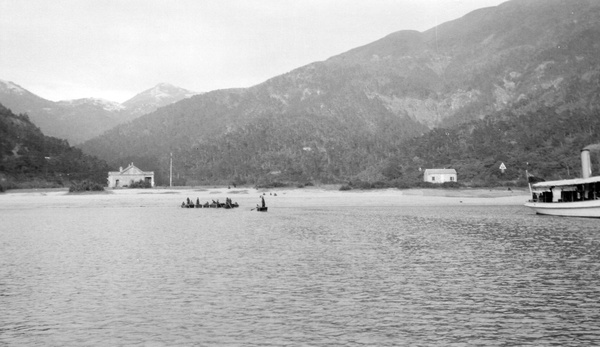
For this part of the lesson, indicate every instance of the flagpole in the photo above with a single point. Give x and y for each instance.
(171, 172)
(528, 182)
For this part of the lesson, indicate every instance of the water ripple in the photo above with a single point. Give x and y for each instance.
(339, 276)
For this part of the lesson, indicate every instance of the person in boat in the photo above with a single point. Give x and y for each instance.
(262, 198)
(183, 204)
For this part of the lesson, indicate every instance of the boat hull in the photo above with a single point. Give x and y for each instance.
(588, 208)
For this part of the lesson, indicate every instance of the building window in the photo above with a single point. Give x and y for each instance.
(451, 178)
(432, 178)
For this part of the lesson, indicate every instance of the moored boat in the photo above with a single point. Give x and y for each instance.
(263, 207)
(579, 197)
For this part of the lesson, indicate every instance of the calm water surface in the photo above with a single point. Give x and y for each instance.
(75, 275)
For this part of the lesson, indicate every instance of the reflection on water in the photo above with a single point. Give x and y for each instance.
(382, 276)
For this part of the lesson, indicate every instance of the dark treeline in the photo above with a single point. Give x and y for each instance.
(294, 149)
(30, 159)
(316, 150)
(544, 142)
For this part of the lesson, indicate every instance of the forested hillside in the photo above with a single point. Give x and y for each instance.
(361, 114)
(545, 143)
(30, 159)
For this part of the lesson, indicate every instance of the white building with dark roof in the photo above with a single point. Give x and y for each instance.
(440, 175)
(125, 177)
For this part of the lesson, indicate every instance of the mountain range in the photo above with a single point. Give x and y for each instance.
(347, 116)
(82, 119)
(518, 83)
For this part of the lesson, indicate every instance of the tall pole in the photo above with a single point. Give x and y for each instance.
(528, 183)
(171, 172)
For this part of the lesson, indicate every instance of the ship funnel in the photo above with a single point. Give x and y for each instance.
(586, 163)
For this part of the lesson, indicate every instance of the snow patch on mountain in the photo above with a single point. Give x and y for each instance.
(107, 105)
(11, 87)
(165, 90)
(158, 96)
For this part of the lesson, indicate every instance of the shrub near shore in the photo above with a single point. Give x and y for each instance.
(140, 184)
(85, 186)
(398, 184)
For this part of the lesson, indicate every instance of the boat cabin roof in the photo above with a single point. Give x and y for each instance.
(571, 182)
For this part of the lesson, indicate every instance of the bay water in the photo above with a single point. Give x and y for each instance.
(352, 270)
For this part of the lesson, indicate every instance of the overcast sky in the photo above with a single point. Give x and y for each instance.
(114, 49)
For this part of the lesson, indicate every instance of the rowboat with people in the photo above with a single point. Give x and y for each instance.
(215, 204)
(262, 207)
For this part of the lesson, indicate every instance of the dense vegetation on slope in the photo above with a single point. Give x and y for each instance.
(352, 117)
(30, 159)
(294, 146)
(545, 143)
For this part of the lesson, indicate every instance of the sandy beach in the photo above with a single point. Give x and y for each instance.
(279, 197)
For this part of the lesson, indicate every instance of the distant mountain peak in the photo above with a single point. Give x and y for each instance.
(163, 90)
(12, 87)
(78, 120)
(160, 95)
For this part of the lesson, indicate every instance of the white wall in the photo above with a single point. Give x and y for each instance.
(441, 178)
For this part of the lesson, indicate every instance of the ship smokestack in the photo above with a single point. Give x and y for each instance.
(586, 163)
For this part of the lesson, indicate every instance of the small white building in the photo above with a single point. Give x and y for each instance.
(439, 175)
(125, 177)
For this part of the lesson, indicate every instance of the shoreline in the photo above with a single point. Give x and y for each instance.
(440, 192)
(278, 198)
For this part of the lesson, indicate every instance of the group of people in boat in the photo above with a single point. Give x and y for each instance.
(189, 203)
(567, 193)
